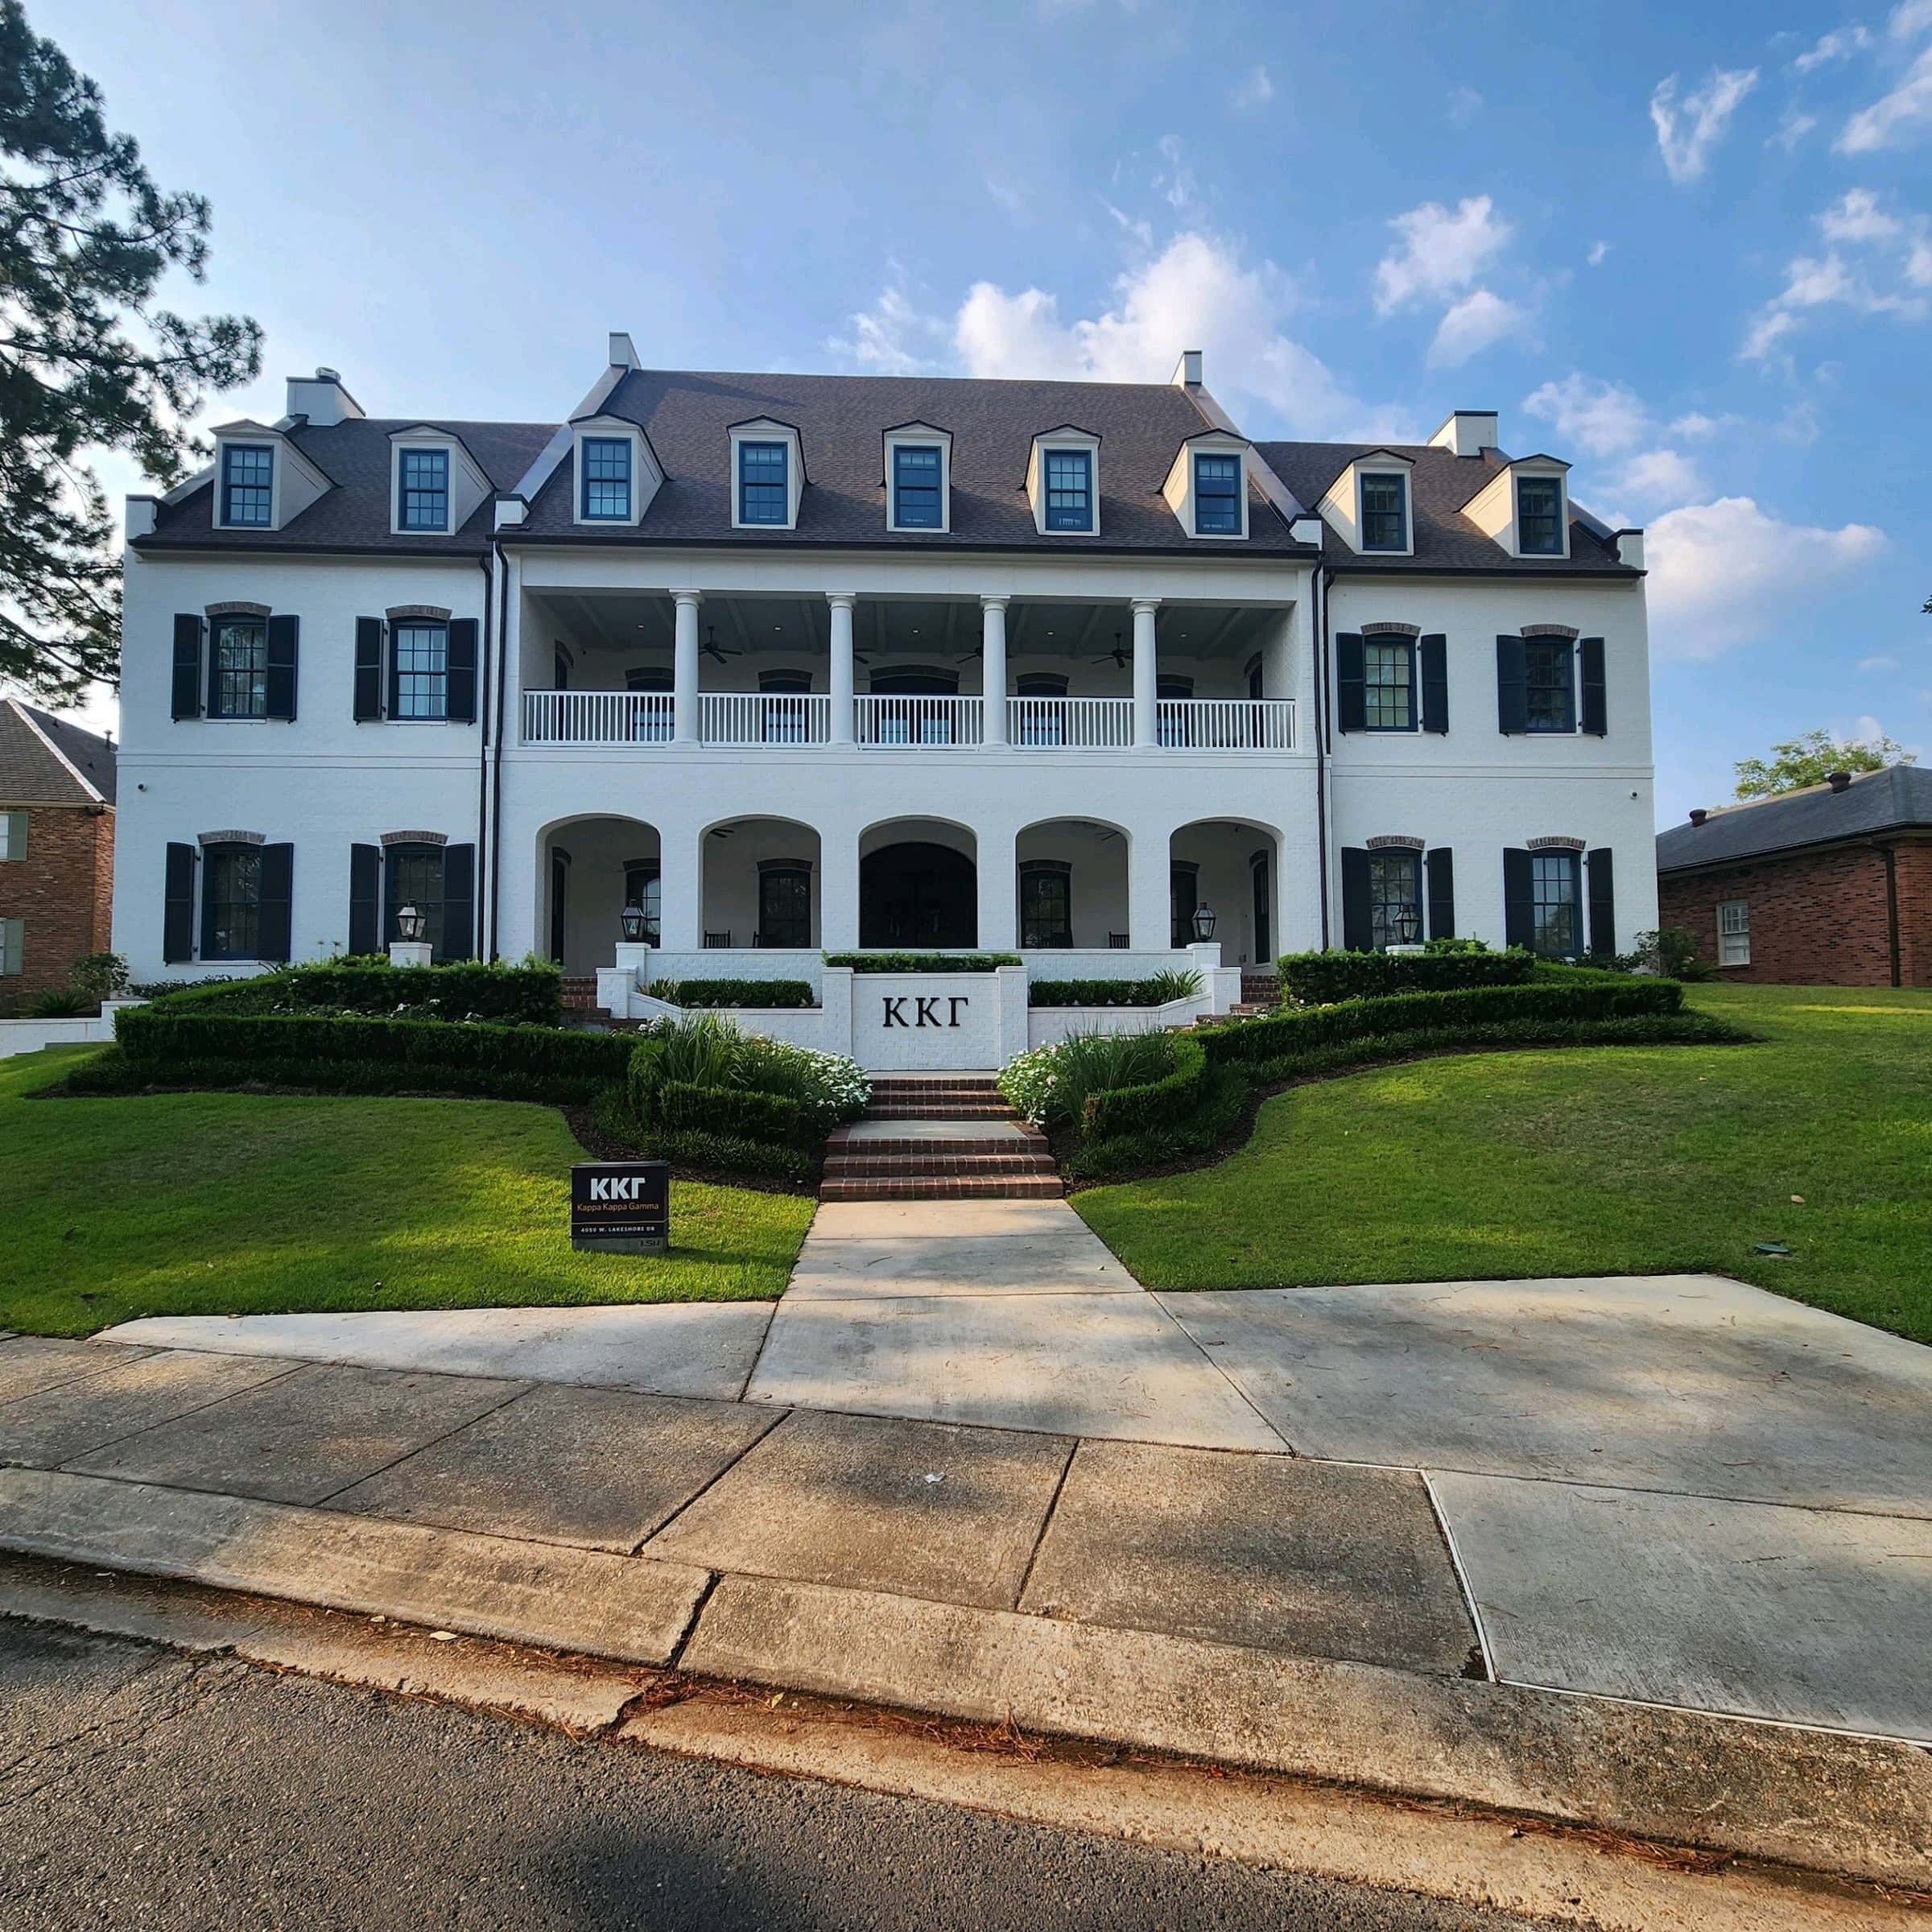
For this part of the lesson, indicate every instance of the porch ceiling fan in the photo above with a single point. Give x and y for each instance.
(713, 648)
(1118, 654)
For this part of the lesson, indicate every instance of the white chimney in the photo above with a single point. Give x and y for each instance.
(623, 351)
(1630, 548)
(322, 398)
(1468, 433)
(1187, 371)
(141, 512)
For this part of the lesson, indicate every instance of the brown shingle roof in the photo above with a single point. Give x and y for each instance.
(40, 755)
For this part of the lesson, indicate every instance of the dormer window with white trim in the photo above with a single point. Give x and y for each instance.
(435, 486)
(1063, 482)
(248, 485)
(616, 471)
(423, 489)
(1524, 507)
(262, 478)
(767, 475)
(1217, 495)
(1384, 518)
(1371, 506)
(918, 477)
(1539, 516)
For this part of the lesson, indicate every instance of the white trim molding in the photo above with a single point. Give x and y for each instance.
(646, 473)
(912, 435)
(1179, 488)
(1342, 505)
(768, 429)
(1051, 441)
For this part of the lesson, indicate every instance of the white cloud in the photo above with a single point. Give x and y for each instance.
(1598, 251)
(1662, 476)
(997, 334)
(1792, 129)
(1603, 418)
(1918, 263)
(1478, 321)
(1840, 44)
(1858, 217)
(1176, 184)
(1253, 89)
(1893, 118)
(1909, 19)
(1465, 104)
(1686, 134)
(1694, 423)
(1884, 661)
(892, 338)
(1442, 251)
(1724, 573)
(1813, 283)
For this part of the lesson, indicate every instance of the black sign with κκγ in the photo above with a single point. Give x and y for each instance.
(622, 1206)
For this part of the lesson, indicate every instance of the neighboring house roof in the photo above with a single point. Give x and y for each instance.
(1899, 798)
(46, 760)
(356, 455)
(841, 419)
(1439, 485)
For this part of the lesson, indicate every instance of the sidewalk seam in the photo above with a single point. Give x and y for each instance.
(1053, 1503)
(778, 1415)
(1462, 1577)
(114, 1442)
(516, 1395)
(672, 1662)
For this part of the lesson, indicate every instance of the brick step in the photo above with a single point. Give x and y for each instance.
(839, 1144)
(946, 1187)
(973, 1109)
(1264, 988)
(845, 1166)
(580, 993)
(1242, 1009)
(929, 1090)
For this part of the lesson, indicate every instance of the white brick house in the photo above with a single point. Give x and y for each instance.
(806, 662)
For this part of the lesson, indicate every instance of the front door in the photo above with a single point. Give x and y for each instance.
(560, 881)
(1259, 871)
(917, 898)
(1181, 902)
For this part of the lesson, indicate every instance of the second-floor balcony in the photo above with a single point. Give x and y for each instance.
(899, 722)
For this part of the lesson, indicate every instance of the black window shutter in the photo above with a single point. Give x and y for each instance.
(178, 904)
(273, 918)
(459, 902)
(369, 669)
(1358, 919)
(1512, 685)
(188, 666)
(364, 889)
(461, 658)
(1519, 898)
(284, 635)
(1602, 901)
(1440, 866)
(1596, 717)
(1351, 684)
(1434, 652)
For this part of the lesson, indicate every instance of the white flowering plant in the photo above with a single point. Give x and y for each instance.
(1025, 1083)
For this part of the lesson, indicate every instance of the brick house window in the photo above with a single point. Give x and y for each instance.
(13, 835)
(13, 942)
(1734, 933)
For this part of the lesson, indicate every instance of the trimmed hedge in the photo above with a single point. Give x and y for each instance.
(1586, 996)
(1155, 991)
(922, 961)
(1119, 1110)
(732, 1112)
(1216, 1110)
(467, 990)
(733, 992)
(1320, 979)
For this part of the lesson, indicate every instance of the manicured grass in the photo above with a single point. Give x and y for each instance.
(223, 1203)
(1586, 1160)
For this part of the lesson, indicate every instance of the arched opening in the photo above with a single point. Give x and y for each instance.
(761, 885)
(588, 869)
(918, 887)
(1073, 885)
(1226, 872)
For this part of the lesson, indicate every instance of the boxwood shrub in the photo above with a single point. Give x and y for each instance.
(733, 992)
(1154, 990)
(922, 961)
(466, 989)
(1119, 1110)
(1319, 979)
(740, 1112)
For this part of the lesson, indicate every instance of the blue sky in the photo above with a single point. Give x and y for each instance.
(1690, 249)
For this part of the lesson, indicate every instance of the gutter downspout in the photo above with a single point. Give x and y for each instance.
(496, 821)
(1324, 583)
(1890, 853)
(487, 884)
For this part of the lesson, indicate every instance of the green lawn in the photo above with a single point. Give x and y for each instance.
(220, 1203)
(1586, 1160)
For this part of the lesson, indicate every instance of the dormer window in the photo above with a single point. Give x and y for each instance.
(1217, 496)
(916, 486)
(606, 464)
(248, 474)
(1539, 516)
(423, 489)
(1385, 510)
(1070, 489)
(764, 483)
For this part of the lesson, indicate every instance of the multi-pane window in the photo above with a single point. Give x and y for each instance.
(1070, 489)
(1556, 928)
(239, 687)
(1043, 723)
(606, 479)
(1539, 516)
(786, 717)
(1217, 496)
(415, 878)
(764, 483)
(1395, 898)
(644, 889)
(1734, 933)
(1549, 684)
(915, 486)
(423, 486)
(1046, 905)
(422, 652)
(784, 905)
(13, 835)
(248, 471)
(1384, 511)
(1389, 684)
(231, 917)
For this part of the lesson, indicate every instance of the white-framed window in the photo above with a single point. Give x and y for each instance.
(13, 835)
(1385, 510)
(1063, 482)
(1734, 933)
(13, 942)
(767, 475)
(422, 487)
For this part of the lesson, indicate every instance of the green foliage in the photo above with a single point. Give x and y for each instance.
(1810, 759)
(922, 961)
(733, 992)
(1157, 989)
(741, 1112)
(1671, 951)
(92, 362)
(1318, 978)
(466, 989)
(1091, 1062)
(1187, 1137)
(702, 1052)
(1156, 1098)
(1025, 1083)
(99, 976)
(1455, 945)
(725, 1154)
(62, 1003)
(722, 1081)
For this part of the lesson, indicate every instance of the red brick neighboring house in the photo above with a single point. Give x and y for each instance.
(56, 848)
(1829, 886)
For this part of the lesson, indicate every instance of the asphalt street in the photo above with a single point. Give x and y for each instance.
(142, 1789)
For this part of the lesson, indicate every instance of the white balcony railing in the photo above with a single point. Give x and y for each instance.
(598, 717)
(1225, 723)
(731, 717)
(1071, 723)
(910, 720)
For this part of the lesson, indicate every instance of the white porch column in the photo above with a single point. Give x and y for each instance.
(992, 670)
(840, 685)
(995, 861)
(1147, 684)
(839, 875)
(1149, 902)
(684, 668)
(681, 886)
